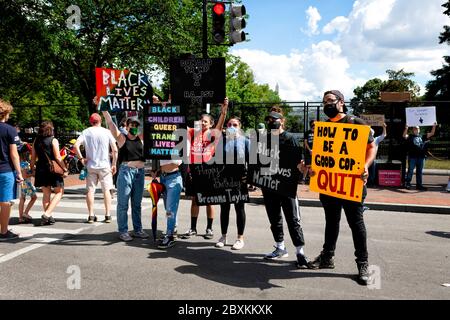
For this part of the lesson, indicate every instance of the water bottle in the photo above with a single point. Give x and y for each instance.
(83, 174)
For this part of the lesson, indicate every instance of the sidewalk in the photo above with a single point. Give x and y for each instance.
(435, 200)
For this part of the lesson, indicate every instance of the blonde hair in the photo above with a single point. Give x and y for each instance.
(5, 109)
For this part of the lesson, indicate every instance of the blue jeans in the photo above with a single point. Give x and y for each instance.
(173, 184)
(130, 184)
(417, 163)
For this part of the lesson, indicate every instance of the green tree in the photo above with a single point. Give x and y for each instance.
(439, 88)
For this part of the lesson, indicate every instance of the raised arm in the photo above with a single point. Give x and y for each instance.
(223, 114)
(433, 131)
(405, 132)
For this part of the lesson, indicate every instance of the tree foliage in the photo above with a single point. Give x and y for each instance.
(439, 88)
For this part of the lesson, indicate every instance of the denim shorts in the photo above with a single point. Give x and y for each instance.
(7, 186)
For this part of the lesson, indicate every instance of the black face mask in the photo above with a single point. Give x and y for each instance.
(331, 110)
(274, 125)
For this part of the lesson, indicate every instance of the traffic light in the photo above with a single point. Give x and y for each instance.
(237, 23)
(218, 22)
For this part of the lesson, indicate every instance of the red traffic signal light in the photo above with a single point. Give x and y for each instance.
(218, 22)
(219, 8)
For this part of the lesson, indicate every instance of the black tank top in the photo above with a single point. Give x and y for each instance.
(132, 150)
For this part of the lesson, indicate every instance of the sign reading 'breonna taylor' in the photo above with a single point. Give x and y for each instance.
(338, 159)
(120, 90)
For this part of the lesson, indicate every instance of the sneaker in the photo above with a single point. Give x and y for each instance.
(8, 236)
(125, 237)
(209, 234)
(92, 219)
(166, 242)
(322, 262)
(51, 220)
(189, 233)
(238, 245)
(140, 234)
(107, 219)
(45, 221)
(363, 273)
(276, 254)
(408, 186)
(421, 188)
(222, 242)
(302, 262)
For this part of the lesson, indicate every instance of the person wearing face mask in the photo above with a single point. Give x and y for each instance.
(274, 202)
(335, 109)
(131, 176)
(416, 147)
(203, 141)
(235, 152)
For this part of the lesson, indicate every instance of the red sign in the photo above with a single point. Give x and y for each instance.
(389, 178)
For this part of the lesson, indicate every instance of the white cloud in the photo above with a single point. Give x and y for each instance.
(313, 17)
(339, 24)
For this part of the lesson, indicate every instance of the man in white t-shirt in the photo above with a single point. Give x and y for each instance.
(97, 142)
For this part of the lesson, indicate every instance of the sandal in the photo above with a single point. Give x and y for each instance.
(45, 221)
(25, 219)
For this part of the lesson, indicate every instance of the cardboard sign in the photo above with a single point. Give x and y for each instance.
(276, 166)
(395, 96)
(338, 159)
(217, 184)
(422, 116)
(373, 120)
(197, 81)
(160, 122)
(120, 90)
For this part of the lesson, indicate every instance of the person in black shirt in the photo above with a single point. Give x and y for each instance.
(308, 144)
(335, 109)
(416, 147)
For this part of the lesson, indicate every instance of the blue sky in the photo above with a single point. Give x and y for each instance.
(309, 46)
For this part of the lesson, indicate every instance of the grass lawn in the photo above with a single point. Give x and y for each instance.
(435, 164)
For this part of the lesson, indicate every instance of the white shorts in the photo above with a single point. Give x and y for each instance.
(104, 176)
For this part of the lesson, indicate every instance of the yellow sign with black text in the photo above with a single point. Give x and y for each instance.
(338, 159)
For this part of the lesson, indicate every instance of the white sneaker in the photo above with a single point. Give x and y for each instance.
(222, 242)
(238, 245)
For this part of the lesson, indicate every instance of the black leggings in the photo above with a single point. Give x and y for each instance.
(225, 217)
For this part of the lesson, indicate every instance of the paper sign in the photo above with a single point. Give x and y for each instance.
(373, 120)
(422, 116)
(120, 90)
(338, 159)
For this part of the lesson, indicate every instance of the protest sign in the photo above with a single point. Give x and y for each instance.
(276, 164)
(160, 123)
(120, 90)
(218, 183)
(338, 159)
(421, 116)
(197, 81)
(373, 120)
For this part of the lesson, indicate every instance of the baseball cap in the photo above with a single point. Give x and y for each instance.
(274, 115)
(95, 118)
(339, 95)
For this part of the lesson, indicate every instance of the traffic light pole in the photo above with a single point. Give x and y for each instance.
(205, 32)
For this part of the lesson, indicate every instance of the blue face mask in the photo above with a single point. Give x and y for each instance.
(231, 131)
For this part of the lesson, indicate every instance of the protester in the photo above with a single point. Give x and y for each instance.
(97, 141)
(9, 162)
(274, 202)
(131, 177)
(416, 148)
(202, 149)
(27, 187)
(308, 144)
(46, 149)
(236, 150)
(335, 109)
(373, 167)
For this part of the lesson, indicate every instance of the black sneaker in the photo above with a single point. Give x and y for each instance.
(51, 220)
(45, 221)
(189, 234)
(322, 262)
(408, 186)
(363, 273)
(8, 236)
(92, 219)
(302, 262)
(421, 188)
(107, 219)
(166, 242)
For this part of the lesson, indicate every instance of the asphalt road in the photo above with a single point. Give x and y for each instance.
(408, 252)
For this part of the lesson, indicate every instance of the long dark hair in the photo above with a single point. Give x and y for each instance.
(46, 129)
